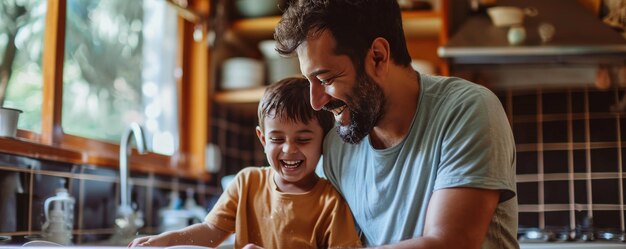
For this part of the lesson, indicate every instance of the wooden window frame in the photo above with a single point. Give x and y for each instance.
(193, 108)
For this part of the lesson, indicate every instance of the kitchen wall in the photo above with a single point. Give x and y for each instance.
(25, 184)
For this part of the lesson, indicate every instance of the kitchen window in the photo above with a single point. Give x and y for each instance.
(84, 69)
(120, 60)
(22, 26)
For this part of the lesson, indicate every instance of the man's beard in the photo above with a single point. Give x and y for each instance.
(366, 105)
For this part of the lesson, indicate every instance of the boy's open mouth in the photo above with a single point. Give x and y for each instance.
(291, 164)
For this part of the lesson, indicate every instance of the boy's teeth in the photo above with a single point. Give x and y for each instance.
(291, 164)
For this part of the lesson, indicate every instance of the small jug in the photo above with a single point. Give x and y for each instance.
(59, 214)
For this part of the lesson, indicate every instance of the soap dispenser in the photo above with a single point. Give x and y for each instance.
(59, 214)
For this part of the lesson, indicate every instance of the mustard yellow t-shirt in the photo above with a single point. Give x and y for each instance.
(258, 213)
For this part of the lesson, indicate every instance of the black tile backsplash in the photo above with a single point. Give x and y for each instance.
(556, 192)
(525, 104)
(580, 188)
(554, 102)
(580, 161)
(527, 162)
(578, 101)
(605, 191)
(593, 151)
(606, 219)
(578, 130)
(604, 160)
(527, 192)
(555, 161)
(603, 130)
(100, 202)
(601, 101)
(557, 219)
(525, 133)
(528, 219)
(14, 193)
(555, 131)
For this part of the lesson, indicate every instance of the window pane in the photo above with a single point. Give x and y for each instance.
(119, 68)
(21, 43)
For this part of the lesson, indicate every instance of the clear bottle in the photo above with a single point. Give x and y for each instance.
(59, 214)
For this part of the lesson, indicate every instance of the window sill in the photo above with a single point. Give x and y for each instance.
(25, 145)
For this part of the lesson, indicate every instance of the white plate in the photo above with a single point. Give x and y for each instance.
(40, 243)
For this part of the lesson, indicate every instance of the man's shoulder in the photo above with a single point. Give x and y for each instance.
(450, 85)
(452, 92)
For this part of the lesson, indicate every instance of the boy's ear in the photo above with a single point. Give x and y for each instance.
(259, 133)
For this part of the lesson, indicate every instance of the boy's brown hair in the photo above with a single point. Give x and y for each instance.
(288, 99)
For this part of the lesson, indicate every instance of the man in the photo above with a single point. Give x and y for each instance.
(423, 161)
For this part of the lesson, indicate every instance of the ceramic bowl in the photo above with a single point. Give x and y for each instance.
(242, 72)
(278, 67)
(504, 16)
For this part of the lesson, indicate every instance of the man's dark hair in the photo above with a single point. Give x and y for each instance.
(353, 23)
(288, 99)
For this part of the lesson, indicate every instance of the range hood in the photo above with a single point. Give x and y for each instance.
(580, 37)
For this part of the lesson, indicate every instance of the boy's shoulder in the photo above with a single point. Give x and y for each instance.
(254, 171)
(329, 192)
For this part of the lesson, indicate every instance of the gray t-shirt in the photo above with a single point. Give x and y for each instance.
(460, 137)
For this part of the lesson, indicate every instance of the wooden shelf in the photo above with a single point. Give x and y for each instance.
(255, 28)
(242, 96)
(421, 24)
(416, 24)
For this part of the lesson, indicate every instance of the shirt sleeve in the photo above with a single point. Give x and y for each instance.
(341, 232)
(224, 213)
(478, 149)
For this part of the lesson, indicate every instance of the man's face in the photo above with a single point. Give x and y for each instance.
(356, 100)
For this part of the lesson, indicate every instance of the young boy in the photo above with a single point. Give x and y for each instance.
(283, 206)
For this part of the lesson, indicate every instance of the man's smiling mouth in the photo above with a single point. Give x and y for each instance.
(338, 111)
(336, 107)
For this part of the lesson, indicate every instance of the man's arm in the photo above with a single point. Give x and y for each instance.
(456, 218)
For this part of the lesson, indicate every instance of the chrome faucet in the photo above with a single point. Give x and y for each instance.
(128, 220)
(136, 130)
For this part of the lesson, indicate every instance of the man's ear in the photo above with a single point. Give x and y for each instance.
(380, 55)
(259, 133)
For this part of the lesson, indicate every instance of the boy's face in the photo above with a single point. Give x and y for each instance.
(293, 149)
